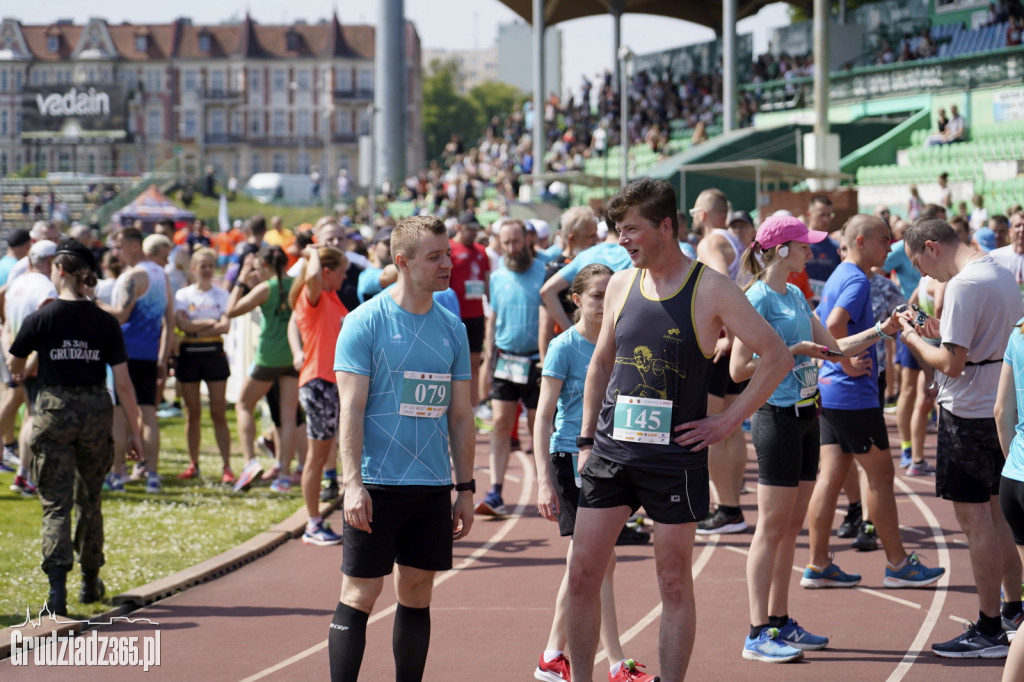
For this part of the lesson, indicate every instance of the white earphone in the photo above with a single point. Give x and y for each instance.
(783, 251)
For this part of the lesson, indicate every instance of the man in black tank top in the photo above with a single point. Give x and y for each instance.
(645, 428)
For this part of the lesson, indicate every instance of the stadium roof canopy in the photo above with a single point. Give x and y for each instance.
(704, 13)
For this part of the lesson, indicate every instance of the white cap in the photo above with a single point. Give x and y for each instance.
(41, 250)
(541, 227)
(602, 230)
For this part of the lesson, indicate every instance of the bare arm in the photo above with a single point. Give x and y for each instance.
(295, 343)
(126, 293)
(739, 317)
(314, 276)
(126, 399)
(949, 358)
(549, 294)
(545, 332)
(547, 500)
(167, 333)
(462, 442)
(836, 325)
(241, 302)
(353, 390)
(716, 252)
(1006, 408)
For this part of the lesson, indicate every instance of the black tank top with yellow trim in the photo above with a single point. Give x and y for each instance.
(658, 358)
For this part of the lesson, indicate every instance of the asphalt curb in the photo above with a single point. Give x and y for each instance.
(210, 569)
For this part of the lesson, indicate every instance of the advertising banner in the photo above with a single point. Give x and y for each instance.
(97, 110)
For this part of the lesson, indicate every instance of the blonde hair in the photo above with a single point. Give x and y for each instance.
(756, 261)
(330, 258)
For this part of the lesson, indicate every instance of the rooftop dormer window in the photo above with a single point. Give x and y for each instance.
(204, 42)
(292, 41)
(141, 43)
(52, 43)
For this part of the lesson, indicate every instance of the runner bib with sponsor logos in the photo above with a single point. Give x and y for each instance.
(514, 368)
(642, 420)
(806, 374)
(474, 289)
(425, 395)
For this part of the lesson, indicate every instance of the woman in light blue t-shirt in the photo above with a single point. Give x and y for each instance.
(1009, 413)
(785, 435)
(561, 404)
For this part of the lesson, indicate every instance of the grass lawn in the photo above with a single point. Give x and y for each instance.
(147, 536)
(244, 207)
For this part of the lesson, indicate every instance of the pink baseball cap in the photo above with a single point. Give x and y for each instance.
(779, 229)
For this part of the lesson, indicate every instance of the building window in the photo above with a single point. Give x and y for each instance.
(364, 123)
(141, 43)
(255, 80)
(190, 81)
(257, 163)
(366, 80)
(190, 124)
(280, 164)
(218, 83)
(204, 42)
(52, 43)
(18, 81)
(278, 125)
(237, 126)
(3, 80)
(154, 80)
(218, 122)
(344, 122)
(303, 78)
(17, 122)
(293, 41)
(154, 123)
(344, 162)
(256, 123)
(302, 123)
(280, 82)
(343, 79)
(3, 122)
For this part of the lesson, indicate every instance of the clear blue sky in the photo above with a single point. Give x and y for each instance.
(452, 24)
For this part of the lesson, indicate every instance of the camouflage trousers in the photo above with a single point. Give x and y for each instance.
(72, 450)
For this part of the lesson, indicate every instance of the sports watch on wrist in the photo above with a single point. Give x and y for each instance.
(582, 442)
(463, 487)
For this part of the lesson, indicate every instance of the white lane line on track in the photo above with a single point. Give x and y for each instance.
(524, 499)
(705, 557)
(938, 596)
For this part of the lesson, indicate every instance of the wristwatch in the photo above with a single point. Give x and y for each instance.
(463, 487)
(581, 441)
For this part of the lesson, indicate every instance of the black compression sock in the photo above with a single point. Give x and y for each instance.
(731, 511)
(410, 641)
(755, 630)
(346, 643)
(777, 621)
(989, 625)
(854, 508)
(1011, 608)
(497, 489)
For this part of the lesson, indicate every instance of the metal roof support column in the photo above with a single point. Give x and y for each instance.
(539, 134)
(615, 9)
(728, 65)
(389, 93)
(821, 10)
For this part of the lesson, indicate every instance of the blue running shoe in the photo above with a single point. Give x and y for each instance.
(113, 483)
(906, 459)
(322, 535)
(913, 574)
(830, 576)
(795, 636)
(768, 647)
(491, 505)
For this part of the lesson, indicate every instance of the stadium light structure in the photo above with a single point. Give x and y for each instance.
(626, 58)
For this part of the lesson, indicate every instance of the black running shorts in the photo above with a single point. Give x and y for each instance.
(681, 497)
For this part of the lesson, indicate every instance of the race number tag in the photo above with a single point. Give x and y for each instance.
(577, 479)
(513, 368)
(806, 374)
(642, 420)
(425, 395)
(474, 289)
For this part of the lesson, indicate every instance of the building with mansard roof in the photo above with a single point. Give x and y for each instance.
(245, 97)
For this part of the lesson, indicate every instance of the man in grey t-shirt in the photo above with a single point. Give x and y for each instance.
(982, 303)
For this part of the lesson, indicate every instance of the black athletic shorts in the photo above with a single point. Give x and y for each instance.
(274, 403)
(202, 362)
(787, 448)
(264, 373)
(968, 459)
(529, 393)
(1011, 500)
(143, 376)
(854, 431)
(681, 497)
(475, 331)
(412, 526)
(720, 384)
(568, 492)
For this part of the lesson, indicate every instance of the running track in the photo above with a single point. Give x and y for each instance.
(268, 620)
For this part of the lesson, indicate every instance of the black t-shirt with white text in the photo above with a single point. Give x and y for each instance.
(76, 340)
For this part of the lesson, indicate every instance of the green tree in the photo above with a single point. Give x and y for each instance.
(445, 111)
(495, 99)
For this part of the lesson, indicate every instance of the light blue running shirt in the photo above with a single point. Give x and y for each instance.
(515, 298)
(1013, 469)
(567, 360)
(614, 256)
(368, 284)
(383, 341)
(790, 317)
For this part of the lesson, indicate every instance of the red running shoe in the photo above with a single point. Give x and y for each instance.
(556, 670)
(631, 671)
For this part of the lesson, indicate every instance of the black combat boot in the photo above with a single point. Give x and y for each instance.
(57, 600)
(93, 588)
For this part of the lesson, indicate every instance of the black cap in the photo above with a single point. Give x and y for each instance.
(383, 234)
(468, 218)
(739, 217)
(18, 237)
(77, 248)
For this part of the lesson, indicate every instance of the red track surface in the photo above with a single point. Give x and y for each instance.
(491, 615)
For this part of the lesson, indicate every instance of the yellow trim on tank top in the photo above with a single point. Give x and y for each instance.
(674, 293)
